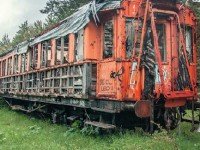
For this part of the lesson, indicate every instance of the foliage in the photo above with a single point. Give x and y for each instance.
(196, 8)
(18, 131)
(5, 43)
(27, 31)
(58, 10)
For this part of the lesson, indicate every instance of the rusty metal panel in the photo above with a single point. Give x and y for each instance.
(106, 84)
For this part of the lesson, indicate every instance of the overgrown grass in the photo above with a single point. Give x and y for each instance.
(22, 132)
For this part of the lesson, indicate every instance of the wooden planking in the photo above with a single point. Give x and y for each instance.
(72, 80)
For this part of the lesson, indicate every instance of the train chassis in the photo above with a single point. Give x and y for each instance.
(106, 115)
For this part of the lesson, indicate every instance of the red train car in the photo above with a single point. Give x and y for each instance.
(115, 63)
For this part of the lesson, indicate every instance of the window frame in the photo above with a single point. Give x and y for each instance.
(192, 43)
(164, 57)
(103, 39)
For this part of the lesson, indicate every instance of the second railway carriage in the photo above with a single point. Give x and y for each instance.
(113, 63)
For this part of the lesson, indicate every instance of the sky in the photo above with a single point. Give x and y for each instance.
(15, 12)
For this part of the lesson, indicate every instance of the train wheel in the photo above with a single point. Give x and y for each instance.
(172, 118)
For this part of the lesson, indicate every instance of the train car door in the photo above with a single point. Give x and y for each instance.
(174, 64)
(164, 41)
(106, 84)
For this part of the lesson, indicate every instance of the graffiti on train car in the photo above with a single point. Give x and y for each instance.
(106, 85)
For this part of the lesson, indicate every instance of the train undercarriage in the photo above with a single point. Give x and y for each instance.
(104, 115)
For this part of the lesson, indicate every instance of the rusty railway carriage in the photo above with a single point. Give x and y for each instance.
(111, 64)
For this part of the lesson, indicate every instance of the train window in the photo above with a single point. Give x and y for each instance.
(23, 62)
(43, 54)
(130, 30)
(58, 51)
(49, 53)
(133, 37)
(108, 39)
(78, 52)
(75, 45)
(189, 43)
(26, 62)
(15, 63)
(46, 53)
(66, 49)
(62, 50)
(161, 32)
(35, 56)
(9, 67)
(31, 59)
(3, 67)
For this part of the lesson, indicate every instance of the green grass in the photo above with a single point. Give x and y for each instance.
(22, 132)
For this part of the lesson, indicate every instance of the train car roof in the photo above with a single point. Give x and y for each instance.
(71, 24)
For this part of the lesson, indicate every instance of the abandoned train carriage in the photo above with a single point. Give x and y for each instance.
(120, 60)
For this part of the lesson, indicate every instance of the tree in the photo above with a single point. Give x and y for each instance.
(58, 10)
(37, 28)
(196, 8)
(50, 21)
(22, 34)
(5, 43)
(5, 40)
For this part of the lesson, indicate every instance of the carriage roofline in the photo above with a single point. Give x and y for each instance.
(71, 24)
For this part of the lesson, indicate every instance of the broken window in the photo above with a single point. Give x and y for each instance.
(161, 32)
(58, 51)
(46, 53)
(26, 62)
(189, 43)
(62, 50)
(3, 67)
(31, 59)
(8, 66)
(49, 53)
(23, 62)
(43, 54)
(9, 69)
(15, 63)
(76, 49)
(35, 56)
(108, 39)
(78, 52)
(130, 32)
(138, 24)
(66, 49)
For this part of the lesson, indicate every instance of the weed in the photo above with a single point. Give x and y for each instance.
(17, 131)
